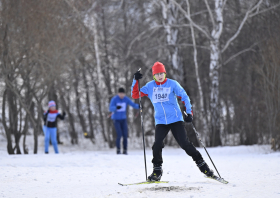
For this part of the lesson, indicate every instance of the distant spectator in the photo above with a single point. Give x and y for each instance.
(50, 123)
(118, 106)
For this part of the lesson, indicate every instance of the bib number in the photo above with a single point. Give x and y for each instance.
(123, 107)
(161, 94)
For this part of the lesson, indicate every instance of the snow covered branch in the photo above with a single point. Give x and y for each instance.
(239, 53)
(265, 10)
(139, 36)
(210, 12)
(190, 20)
(247, 15)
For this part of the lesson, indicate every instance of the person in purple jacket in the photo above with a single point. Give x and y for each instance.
(118, 106)
(163, 93)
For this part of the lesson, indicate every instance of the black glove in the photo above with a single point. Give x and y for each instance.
(188, 118)
(63, 114)
(138, 75)
(119, 107)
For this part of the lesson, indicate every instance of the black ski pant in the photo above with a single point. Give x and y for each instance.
(179, 134)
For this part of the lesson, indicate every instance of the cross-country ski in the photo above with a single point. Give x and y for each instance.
(145, 182)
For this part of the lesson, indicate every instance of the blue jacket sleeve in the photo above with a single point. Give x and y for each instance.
(112, 106)
(181, 93)
(145, 89)
(134, 105)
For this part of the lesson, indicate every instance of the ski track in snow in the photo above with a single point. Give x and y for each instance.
(252, 171)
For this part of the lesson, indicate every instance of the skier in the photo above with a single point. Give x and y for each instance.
(50, 122)
(118, 106)
(162, 92)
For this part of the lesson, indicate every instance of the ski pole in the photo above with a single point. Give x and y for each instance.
(198, 137)
(142, 127)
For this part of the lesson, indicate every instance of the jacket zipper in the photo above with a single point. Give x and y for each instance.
(163, 110)
(176, 112)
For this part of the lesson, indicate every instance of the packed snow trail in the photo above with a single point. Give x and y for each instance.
(253, 171)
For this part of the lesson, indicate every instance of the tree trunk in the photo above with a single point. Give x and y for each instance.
(170, 15)
(90, 119)
(201, 114)
(215, 57)
(215, 139)
(73, 134)
(7, 129)
(24, 132)
(13, 118)
(78, 102)
(102, 102)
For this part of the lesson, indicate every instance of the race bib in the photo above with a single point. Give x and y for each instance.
(161, 94)
(51, 117)
(123, 107)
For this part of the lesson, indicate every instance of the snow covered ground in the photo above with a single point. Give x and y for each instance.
(253, 171)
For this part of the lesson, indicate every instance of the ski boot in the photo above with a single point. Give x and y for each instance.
(204, 168)
(118, 151)
(157, 173)
(125, 152)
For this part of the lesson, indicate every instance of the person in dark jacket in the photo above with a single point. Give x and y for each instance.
(50, 123)
(118, 107)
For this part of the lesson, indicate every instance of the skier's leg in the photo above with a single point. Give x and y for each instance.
(53, 139)
(181, 137)
(160, 133)
(47, 139)
(179, 133)
(124, 135)
(119, 135)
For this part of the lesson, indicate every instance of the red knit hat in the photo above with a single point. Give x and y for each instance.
(158, 68)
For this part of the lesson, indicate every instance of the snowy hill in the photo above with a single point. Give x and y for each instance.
(253, 171)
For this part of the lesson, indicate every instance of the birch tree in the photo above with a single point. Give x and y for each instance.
(202, 114)
(170, 15)
(217, 48)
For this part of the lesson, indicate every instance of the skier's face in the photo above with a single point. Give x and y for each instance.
(52, 108)
(121, 95)
(160, 77)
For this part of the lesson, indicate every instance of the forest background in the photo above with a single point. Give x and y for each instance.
(224, 53)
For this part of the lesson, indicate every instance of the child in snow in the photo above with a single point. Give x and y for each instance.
(163, 93)
(118, 106)
(50, 122)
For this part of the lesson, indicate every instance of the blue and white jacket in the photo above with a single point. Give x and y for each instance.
(164, 98)
(120, 114)
(50, 118)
